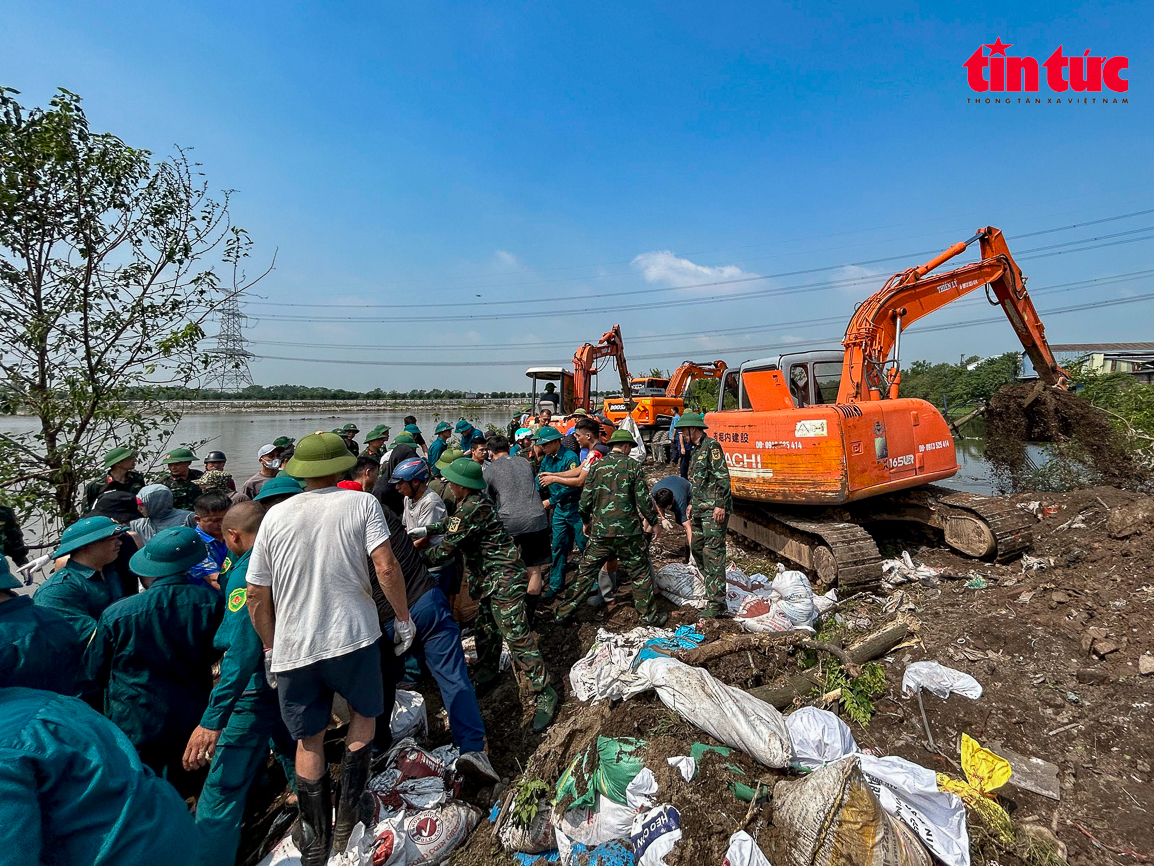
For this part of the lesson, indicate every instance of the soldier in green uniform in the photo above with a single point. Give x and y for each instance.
(87, 584)
(497, 580)
(180, 478)
(440, 484)
(120, 474)
(617, 513)
(243, 717)
(709, 508)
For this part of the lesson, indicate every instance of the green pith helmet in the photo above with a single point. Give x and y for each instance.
(462, 426)
(320, 454)
(7, 579)
(404, 439)
(116, 455)
(378, 432)
(179, 455)
(350, 428)
(442, 427)
(277, 486)
(622, 436)
(465, 472)
(548, 434)
(336, 430)
(447, 458)
(414, 429)
(283, 441)
(691, 419)
(170, 551)
(87, 531)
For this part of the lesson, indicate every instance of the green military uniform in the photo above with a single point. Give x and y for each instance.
(566, 522)
(244, 707)
(152, 654)
(133, 483)
(38, 647)
(613, 501)
(498, 582)
(184, 490)
(80, 594)
(710, 479)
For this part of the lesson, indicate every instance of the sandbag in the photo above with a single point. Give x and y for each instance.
(682, 584)
(433, 834)
(606, 670)
(794, 595)
(594, 825)
(534, 838)
(388, 841)
(833, 818)
(359, 852)
(939, 680)
(819, 737)
(728, 714)
(653, 835)
(743, 851)
(409, 717)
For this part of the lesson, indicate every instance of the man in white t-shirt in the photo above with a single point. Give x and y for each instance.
(310, 600)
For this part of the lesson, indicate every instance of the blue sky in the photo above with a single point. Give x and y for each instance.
(433, 159)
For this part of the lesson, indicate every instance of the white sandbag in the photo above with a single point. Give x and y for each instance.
(409, 717)
(682, 584)
(534, 838)
(939, 680)
(760, 614)
(605, 671)
(685, 765)
(794, 595)
(653, 835)
(605, 822)
(388, 841)
(433, 834)
(910, 793)
(358, 853)
(728, 714)
(638, 451)
(639, 793)
(743, 851)
(819, 737)
(833, 818)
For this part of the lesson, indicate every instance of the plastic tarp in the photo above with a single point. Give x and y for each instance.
(939, 680)
(606, 670)
(728, 714)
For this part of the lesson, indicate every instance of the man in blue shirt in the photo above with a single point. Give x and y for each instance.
(566, 522)
(441, 434)
(243, 717)
(87, 584)
(210, 508)
(672, 495)
(72, 790)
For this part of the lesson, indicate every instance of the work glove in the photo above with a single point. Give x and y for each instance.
(269, 676)
(418, 532)
(403, 633)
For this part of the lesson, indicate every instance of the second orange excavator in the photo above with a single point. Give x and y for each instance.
(819, 444)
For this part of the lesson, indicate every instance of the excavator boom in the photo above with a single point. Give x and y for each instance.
(585, 365)
(874, 331)
(689, 372)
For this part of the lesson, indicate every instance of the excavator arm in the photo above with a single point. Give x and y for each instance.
(585, 365)
(869, 373)
(689, 372)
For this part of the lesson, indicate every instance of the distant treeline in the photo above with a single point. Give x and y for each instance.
(307, 392)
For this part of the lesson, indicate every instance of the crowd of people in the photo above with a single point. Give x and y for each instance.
(332, 570)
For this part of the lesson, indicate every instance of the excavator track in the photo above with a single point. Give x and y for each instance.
(834, 550)
(834, 545)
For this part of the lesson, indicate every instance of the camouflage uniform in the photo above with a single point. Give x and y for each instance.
(710, 479)
(133, 483)
(498, 581)
(184, 490)
(440, 486)
(613, 501)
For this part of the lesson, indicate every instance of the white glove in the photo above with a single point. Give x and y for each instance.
(269, 676)
(418, 532)
(403, 634)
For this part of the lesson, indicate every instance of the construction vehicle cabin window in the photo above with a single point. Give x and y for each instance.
(826, 381)
(799, 385)
(729, 392)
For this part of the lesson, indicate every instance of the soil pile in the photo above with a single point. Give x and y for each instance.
(1086, 446)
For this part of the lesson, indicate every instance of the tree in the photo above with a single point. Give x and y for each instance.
(104, 288)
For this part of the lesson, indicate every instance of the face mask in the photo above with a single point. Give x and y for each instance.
(272, 463)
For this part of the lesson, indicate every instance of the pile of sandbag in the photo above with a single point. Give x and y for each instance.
(608, 670)
(682, 584)
(785, 603)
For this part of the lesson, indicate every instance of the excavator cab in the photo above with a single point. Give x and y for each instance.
(562, 378)
(792, 381)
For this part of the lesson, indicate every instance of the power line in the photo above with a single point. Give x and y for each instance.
(1026, 255)
(648, 338)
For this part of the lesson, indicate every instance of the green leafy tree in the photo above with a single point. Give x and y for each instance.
(104, 287)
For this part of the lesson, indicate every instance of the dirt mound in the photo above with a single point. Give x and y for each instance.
(1086, 448)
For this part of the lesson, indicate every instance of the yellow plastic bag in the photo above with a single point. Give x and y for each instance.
(985, 773)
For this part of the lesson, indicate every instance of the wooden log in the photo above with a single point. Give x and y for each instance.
(877, 644)
(708, 652)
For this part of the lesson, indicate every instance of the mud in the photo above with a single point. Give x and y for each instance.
(1086, 447)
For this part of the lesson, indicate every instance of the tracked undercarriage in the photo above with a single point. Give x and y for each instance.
(833, 545)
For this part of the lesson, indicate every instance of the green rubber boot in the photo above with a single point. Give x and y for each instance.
(546, 709)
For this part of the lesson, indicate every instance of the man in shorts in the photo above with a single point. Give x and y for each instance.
(512, 485)
(311, 602)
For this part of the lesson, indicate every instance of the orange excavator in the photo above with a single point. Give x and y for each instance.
(820, 443)
(576, 387)
(656, 401)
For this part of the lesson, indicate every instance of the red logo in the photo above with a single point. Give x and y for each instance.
(997, 72)
(426, 828)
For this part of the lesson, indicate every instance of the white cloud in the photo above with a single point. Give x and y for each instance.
(506, 258)
(662, 266)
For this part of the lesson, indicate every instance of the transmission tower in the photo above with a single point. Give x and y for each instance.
(234, 374)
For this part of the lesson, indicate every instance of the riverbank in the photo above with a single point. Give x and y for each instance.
(298, 407)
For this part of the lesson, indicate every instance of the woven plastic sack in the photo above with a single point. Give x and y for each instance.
(819, 738)
(606, 767)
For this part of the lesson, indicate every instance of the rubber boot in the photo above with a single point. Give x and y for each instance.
(313, 831)
(354, 803)
(546, 708)
(531, 602)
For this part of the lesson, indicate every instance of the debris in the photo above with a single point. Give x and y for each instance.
(1075, 522)
(606, 670)
(728, 714)
(1033, 563)
(686, 766)
(1091, 676)
(1065, 728)
(819, 738)
(1043, 835)
(833, 818)
(978, 582)
(902, 570)
(1032, 774)
(743, 851)
(1131, 519)
(607, 767)
(940, 680)
(985, 773)
(1146, 664)
(1140, 857)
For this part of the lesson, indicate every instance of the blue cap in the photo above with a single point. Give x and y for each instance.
(277, 486)
(86, 531)
(462, 426)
